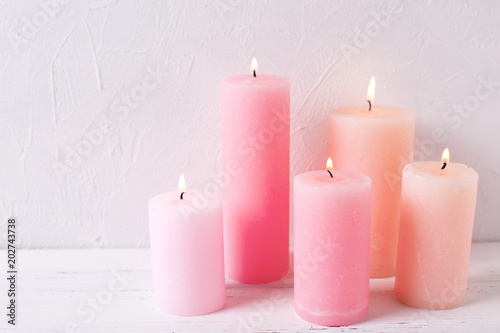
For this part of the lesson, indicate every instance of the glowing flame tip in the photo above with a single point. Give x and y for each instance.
(370, 95)
(182, 183)
(254, 65)
(445, 158)
(329, 164)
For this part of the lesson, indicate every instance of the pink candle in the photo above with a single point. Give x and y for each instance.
(378, 143)
(255, 128)
(187, 253)
(437, 216)
(331, 246)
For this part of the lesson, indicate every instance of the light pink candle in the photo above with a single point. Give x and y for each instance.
(378, 143)
(187, 253)
(437, 216)
(255, 130)
(331, 246)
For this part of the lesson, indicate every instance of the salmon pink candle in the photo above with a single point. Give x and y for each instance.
(331, 246)
(376, 141)
(438, 202)
(255, 130)
(187, 252)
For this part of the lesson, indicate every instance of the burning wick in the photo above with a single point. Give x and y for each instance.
(445, 158)
(442, 168)
(254, 67)
(370, 94)
(329, 166)
(182, 186)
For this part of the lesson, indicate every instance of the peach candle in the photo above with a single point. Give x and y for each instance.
(331, 246)
(376, 141)
(255, 146)
(438, 202)
(187, 252)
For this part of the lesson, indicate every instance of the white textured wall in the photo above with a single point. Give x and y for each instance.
(68, 72)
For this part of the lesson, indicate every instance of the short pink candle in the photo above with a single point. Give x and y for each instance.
(255, 130)
(331, 246)
(437, 216)
(378, 143)
(187, 253)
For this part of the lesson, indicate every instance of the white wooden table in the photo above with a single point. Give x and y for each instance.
(109, 290)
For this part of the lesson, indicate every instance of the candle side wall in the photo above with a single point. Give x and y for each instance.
(437, 217)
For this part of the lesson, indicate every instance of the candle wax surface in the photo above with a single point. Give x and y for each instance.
(331, 246)
(437, 217)
(187, 253)
(377, 143)
(255, 149)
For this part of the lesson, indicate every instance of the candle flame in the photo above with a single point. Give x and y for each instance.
(329, 164)
(254, 65)
(446, 156)
(182, 183)
(370, 95)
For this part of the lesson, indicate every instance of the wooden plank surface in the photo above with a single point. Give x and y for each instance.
(109, 290)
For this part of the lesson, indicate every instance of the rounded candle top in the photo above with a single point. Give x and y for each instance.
(172, 200)
(192, 200)
(432, 170)
(257, 80)
(260, 80)
(322, 179)
(376, 112)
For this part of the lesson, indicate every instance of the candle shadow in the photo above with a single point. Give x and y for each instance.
(382, 302)
(384, 306)
(479, 291)
(241, 295)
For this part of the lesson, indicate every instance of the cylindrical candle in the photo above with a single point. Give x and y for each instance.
(331, 246)
(376, 142)
(187, 253)
(437, 216)
(255, 130)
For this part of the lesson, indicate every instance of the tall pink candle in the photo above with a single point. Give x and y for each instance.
(378, 143)
(255, 132)
(437, 216)
(187, 253)
(331, 246)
